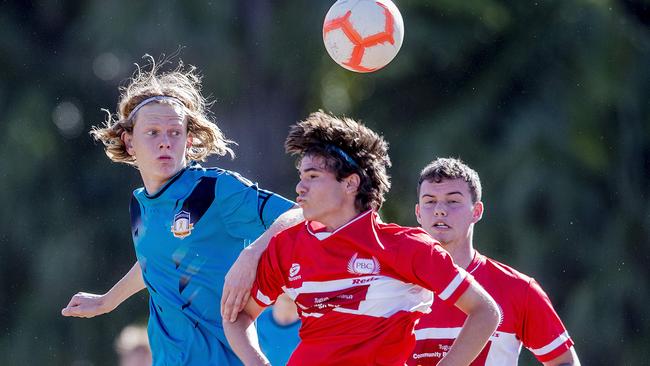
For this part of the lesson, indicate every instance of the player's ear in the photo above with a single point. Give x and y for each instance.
(188, 144)
(477, 212)
(127, 139)
(417, 213)
(353, 181)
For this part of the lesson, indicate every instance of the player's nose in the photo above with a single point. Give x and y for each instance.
(439, 210)
(300, 187)
(164, 142)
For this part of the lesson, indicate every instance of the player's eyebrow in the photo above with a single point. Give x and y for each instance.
(311, 169)
(426, 195)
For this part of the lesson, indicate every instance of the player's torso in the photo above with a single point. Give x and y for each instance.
(183, 247)
(350, 297)
(437, 330)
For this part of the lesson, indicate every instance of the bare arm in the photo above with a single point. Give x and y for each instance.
(482, 320)
(86, 305)
(239, 279)
(568, 358)
(242, 335)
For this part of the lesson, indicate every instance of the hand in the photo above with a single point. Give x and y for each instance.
(237, 285)
(85, 305)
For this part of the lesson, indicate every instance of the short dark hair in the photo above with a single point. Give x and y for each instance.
(451, 168)
(348, 147)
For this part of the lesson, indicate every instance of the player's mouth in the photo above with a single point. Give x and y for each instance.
(164, 158)
(439, 225)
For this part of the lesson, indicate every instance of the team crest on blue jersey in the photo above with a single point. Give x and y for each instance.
(363, 266)
(182, 226)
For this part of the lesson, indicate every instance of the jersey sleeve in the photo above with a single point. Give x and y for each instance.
(427, 264)
(542, 330)
(268, 280)
(247, 210)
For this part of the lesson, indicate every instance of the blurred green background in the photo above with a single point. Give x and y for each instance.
(547, 100)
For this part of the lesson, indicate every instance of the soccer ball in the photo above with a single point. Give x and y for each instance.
(363, 35)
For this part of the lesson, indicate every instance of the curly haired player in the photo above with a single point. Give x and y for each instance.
(359, 284)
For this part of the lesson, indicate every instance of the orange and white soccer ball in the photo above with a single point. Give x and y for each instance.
(363, 35)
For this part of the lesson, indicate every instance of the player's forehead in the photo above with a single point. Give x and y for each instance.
(160, 113)
(444, 187)
(313, 162)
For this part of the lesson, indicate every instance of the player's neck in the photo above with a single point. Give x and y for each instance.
(462, 252)
(340, 218)
(154, 183)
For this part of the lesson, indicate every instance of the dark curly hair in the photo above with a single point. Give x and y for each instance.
(348, 147)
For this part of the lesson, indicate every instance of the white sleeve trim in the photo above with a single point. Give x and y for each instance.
(263, 298)
(551, 346)
(453, 285)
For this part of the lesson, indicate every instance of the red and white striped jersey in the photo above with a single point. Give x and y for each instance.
(359, 290)
(527, 317)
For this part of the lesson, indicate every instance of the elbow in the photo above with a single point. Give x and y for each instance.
(494, 313)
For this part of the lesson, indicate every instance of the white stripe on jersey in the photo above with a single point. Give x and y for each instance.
(314, 315)
(437, 333)
(453, 285)
(551, 346)
(503, 350)
(385, 297)
(263, 298)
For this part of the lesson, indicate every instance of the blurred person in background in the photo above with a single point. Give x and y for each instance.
(277, 330)
(189, 223)
(449, 204)
(132, 346)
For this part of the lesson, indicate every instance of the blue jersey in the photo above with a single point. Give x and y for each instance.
(186, 237)
(277, 341)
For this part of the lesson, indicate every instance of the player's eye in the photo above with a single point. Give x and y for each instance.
(151, 133)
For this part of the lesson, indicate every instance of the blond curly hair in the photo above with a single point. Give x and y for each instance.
(182, 83)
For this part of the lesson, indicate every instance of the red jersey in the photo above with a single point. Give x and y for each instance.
(359, 290)
(527, 317)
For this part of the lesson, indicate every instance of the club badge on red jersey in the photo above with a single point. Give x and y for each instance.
(182, 226)
(363, 266)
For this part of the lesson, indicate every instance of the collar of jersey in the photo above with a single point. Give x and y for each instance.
(318, 230)
(171, 181)
(476, 262)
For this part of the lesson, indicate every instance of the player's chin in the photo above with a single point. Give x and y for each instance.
(442, 237)
(308, 213)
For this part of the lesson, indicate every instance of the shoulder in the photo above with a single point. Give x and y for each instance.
(393, 235)
(518, 283)
(505, 271)
(229, 181)
(287, 241)
(292, 235)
